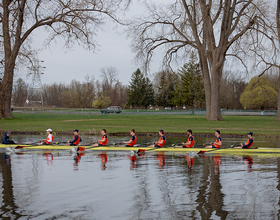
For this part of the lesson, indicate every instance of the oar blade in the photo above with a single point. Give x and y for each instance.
(19, 147)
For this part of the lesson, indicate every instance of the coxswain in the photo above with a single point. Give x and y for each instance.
(249, 142)
(103, 140)
(190, 142)
(218, 142)
(6, 138)
(161, 141)
(76, 139)
(49, 138)
(132, 140)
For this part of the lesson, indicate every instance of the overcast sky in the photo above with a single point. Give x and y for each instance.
(114, 50)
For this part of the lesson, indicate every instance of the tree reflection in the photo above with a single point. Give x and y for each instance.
(210, 198)
(8, 208)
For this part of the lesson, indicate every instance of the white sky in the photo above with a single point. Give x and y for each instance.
(114, 50)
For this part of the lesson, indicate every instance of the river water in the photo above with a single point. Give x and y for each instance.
(118, 185)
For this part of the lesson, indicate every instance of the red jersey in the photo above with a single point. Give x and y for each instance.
(160, 139)
(249, 143)
(219, 139)
(133, 141)
(78, 139)
(104, 140)
(190, 142)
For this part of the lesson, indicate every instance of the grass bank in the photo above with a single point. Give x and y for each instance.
(172, 124)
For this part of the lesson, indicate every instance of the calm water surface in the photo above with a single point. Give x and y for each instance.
(118, 185)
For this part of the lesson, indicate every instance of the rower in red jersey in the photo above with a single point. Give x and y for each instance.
(218, 142)
(249, 142)
(132, 141)
(103, 140)
(161, 141)
(190, 142)
(76, 139)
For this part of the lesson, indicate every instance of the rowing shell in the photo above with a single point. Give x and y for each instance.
(163, 149)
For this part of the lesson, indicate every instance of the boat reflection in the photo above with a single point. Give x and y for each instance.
(104, 159)
(133, 161)
(218, 163)
(49, 158)
(77, 159)
(190, 162)
(161, 159)
(248, 161)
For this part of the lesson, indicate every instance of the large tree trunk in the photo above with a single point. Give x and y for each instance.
(212, 88)
(278, 107)
(6, 93)
(207, 84)
(278, 31)
(215, 95)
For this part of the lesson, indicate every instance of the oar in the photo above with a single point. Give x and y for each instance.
(154, 148)
(10, 149)
(84, 148)
(202, 152)
(61, 142)
(197, 145)
(117, 143)
(23, 146)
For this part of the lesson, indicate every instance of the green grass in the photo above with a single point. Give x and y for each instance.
(260, 125)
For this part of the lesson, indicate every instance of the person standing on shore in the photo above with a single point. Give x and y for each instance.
(218, 142)
(49, 138)
(190, 142)
(6, 138)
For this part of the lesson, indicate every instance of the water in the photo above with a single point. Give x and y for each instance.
(117, 185)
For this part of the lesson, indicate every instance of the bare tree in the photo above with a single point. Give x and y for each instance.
(213, 28)
(74, 21)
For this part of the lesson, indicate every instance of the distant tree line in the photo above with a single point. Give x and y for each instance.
(178, 90)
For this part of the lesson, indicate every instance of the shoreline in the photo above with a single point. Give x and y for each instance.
(138, 134)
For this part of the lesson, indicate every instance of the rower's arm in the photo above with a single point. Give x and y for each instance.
(102, 140)
(161, 141)
(218, 143)
(76, 138)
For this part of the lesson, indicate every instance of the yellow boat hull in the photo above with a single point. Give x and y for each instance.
(164, 149)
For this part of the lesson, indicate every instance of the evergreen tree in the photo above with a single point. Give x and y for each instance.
(149, 96)
(190, 90)
(166, 88)
(140, 91)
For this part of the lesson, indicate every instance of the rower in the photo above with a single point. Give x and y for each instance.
(190, 142)
(49, 138)
(103, 140)
(76, 139)
(218, 142)
(6, 138)
(132, 140)
(249, 142)
(161, 141)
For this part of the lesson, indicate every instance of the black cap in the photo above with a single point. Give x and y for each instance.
(161, 131)
(250, 133)
(76, 130)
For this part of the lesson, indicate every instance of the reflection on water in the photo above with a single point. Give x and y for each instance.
(122, 185)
